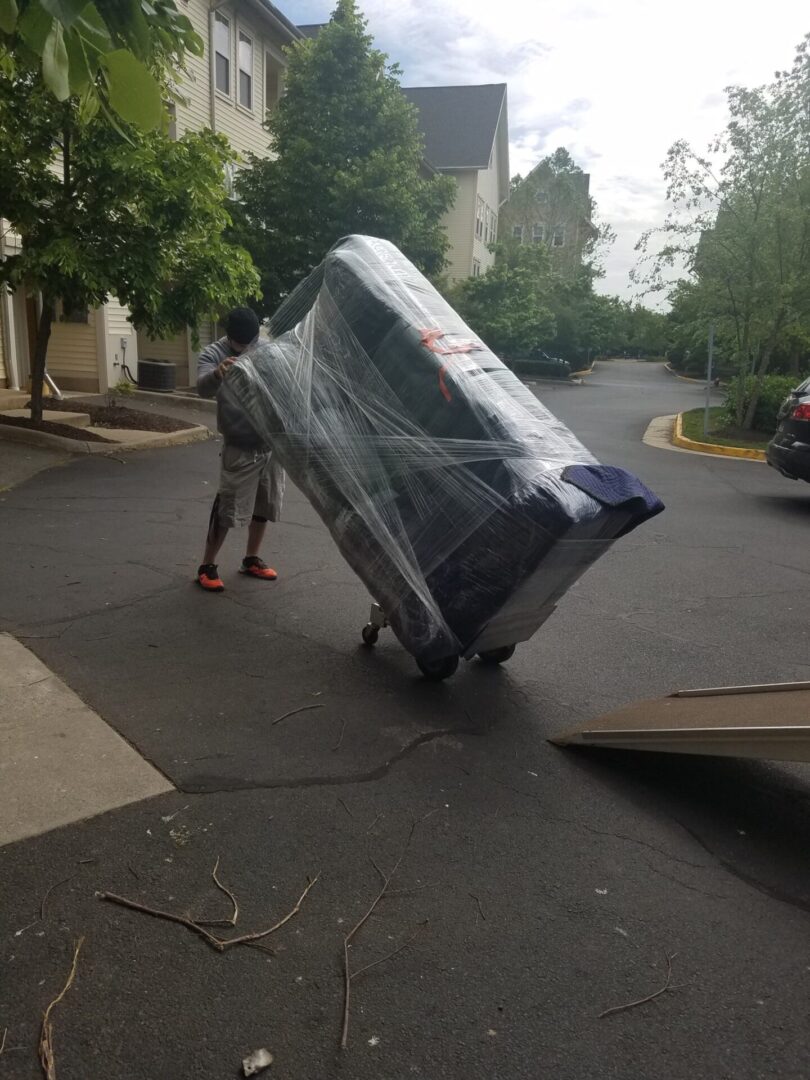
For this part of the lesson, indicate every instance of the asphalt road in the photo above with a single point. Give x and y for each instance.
(552, 884)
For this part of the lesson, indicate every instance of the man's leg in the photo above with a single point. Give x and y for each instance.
(216, 535)
(256, 531)
(263, 508)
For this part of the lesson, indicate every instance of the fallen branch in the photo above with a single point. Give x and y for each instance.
(55, 885)
(220, 944)
(46, 1056)
(348, 975)
(157, 913)
(231, 920)
(292, 712)
(391, 955)
(650, 997)
(339, 743)
(480, 909)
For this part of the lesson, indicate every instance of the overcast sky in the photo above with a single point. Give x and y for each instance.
(614, 81)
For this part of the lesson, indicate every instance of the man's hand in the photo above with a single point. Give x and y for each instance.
(222, 369)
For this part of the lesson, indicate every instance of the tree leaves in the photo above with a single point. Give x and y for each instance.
(134, 92)
(8, 16)
(136, 42)
(55, 66)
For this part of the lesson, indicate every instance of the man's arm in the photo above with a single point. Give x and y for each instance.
(212, 363)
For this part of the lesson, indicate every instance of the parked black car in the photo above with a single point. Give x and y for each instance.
(542, 365)
(789, 449)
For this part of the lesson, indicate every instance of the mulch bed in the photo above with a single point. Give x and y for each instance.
(67, 431)
(119, 416)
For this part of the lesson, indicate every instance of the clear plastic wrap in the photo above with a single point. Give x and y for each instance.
(439, 474)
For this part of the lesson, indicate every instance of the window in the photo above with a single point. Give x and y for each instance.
(73, 315)
(273, 81)
(542, 197)
(517, 233)
(479, 218)
(476, 268)
(558, 239)
(231, 175)
(538, 234)
(222, 53)
(494, 228)
(245, 71)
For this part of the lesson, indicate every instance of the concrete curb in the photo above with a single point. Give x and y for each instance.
(186, 401)
(679, 439)
(75, 446)
(683, 378)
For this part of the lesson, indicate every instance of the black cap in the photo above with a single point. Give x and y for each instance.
(242, 325)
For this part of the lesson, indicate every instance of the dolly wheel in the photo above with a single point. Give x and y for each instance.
(497, 656)
(371, 634)
(437, 670)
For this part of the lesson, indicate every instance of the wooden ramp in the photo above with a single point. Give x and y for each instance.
(769, 721)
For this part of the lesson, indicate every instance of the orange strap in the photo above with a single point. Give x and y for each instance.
(431, 339)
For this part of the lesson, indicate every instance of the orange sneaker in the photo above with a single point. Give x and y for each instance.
(253, 566)
(208, 578)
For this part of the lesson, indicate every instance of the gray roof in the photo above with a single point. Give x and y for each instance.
(458, 122)
(311, 30)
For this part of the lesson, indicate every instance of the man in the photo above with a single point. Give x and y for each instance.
(251, 486)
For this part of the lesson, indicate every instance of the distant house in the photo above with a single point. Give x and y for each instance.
(466, 133)
(230, 90)
(552, 207)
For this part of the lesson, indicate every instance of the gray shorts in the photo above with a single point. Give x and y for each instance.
(246, 487)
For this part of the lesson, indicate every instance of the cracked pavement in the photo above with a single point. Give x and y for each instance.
(553, 882)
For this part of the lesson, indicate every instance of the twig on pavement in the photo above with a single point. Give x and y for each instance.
(480, 909)
(233, 917)
(650, 997)
(345, 807)
(339, 743)
(292, 712)
(348, 974)
(55, 885)
(46, 1055)
(220, 944)
(3, 1043)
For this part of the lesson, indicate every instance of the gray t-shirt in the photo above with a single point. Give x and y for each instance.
(232, 423)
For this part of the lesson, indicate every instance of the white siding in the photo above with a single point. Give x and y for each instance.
(3, 372)
(488, 189)
(459, 222)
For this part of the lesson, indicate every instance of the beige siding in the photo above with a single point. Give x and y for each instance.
(488, 189)
(73, 353)
(459, 221)
(243, 127)
(173, 350)
(194, 113)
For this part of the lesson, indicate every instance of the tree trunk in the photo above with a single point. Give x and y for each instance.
(739, 404)
(40, 356)
(764, 364)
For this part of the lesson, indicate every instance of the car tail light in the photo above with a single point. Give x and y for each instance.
(802, 412)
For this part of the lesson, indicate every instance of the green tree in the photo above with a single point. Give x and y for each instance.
(100, 211)
(111, 55)
(348, 160)
(740, 222)
(508, 305)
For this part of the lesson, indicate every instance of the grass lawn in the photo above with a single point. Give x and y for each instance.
(693, 429)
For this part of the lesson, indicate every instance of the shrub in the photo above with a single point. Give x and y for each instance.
(775, 388)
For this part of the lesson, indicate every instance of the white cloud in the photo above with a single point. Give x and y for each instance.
(615, 81)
